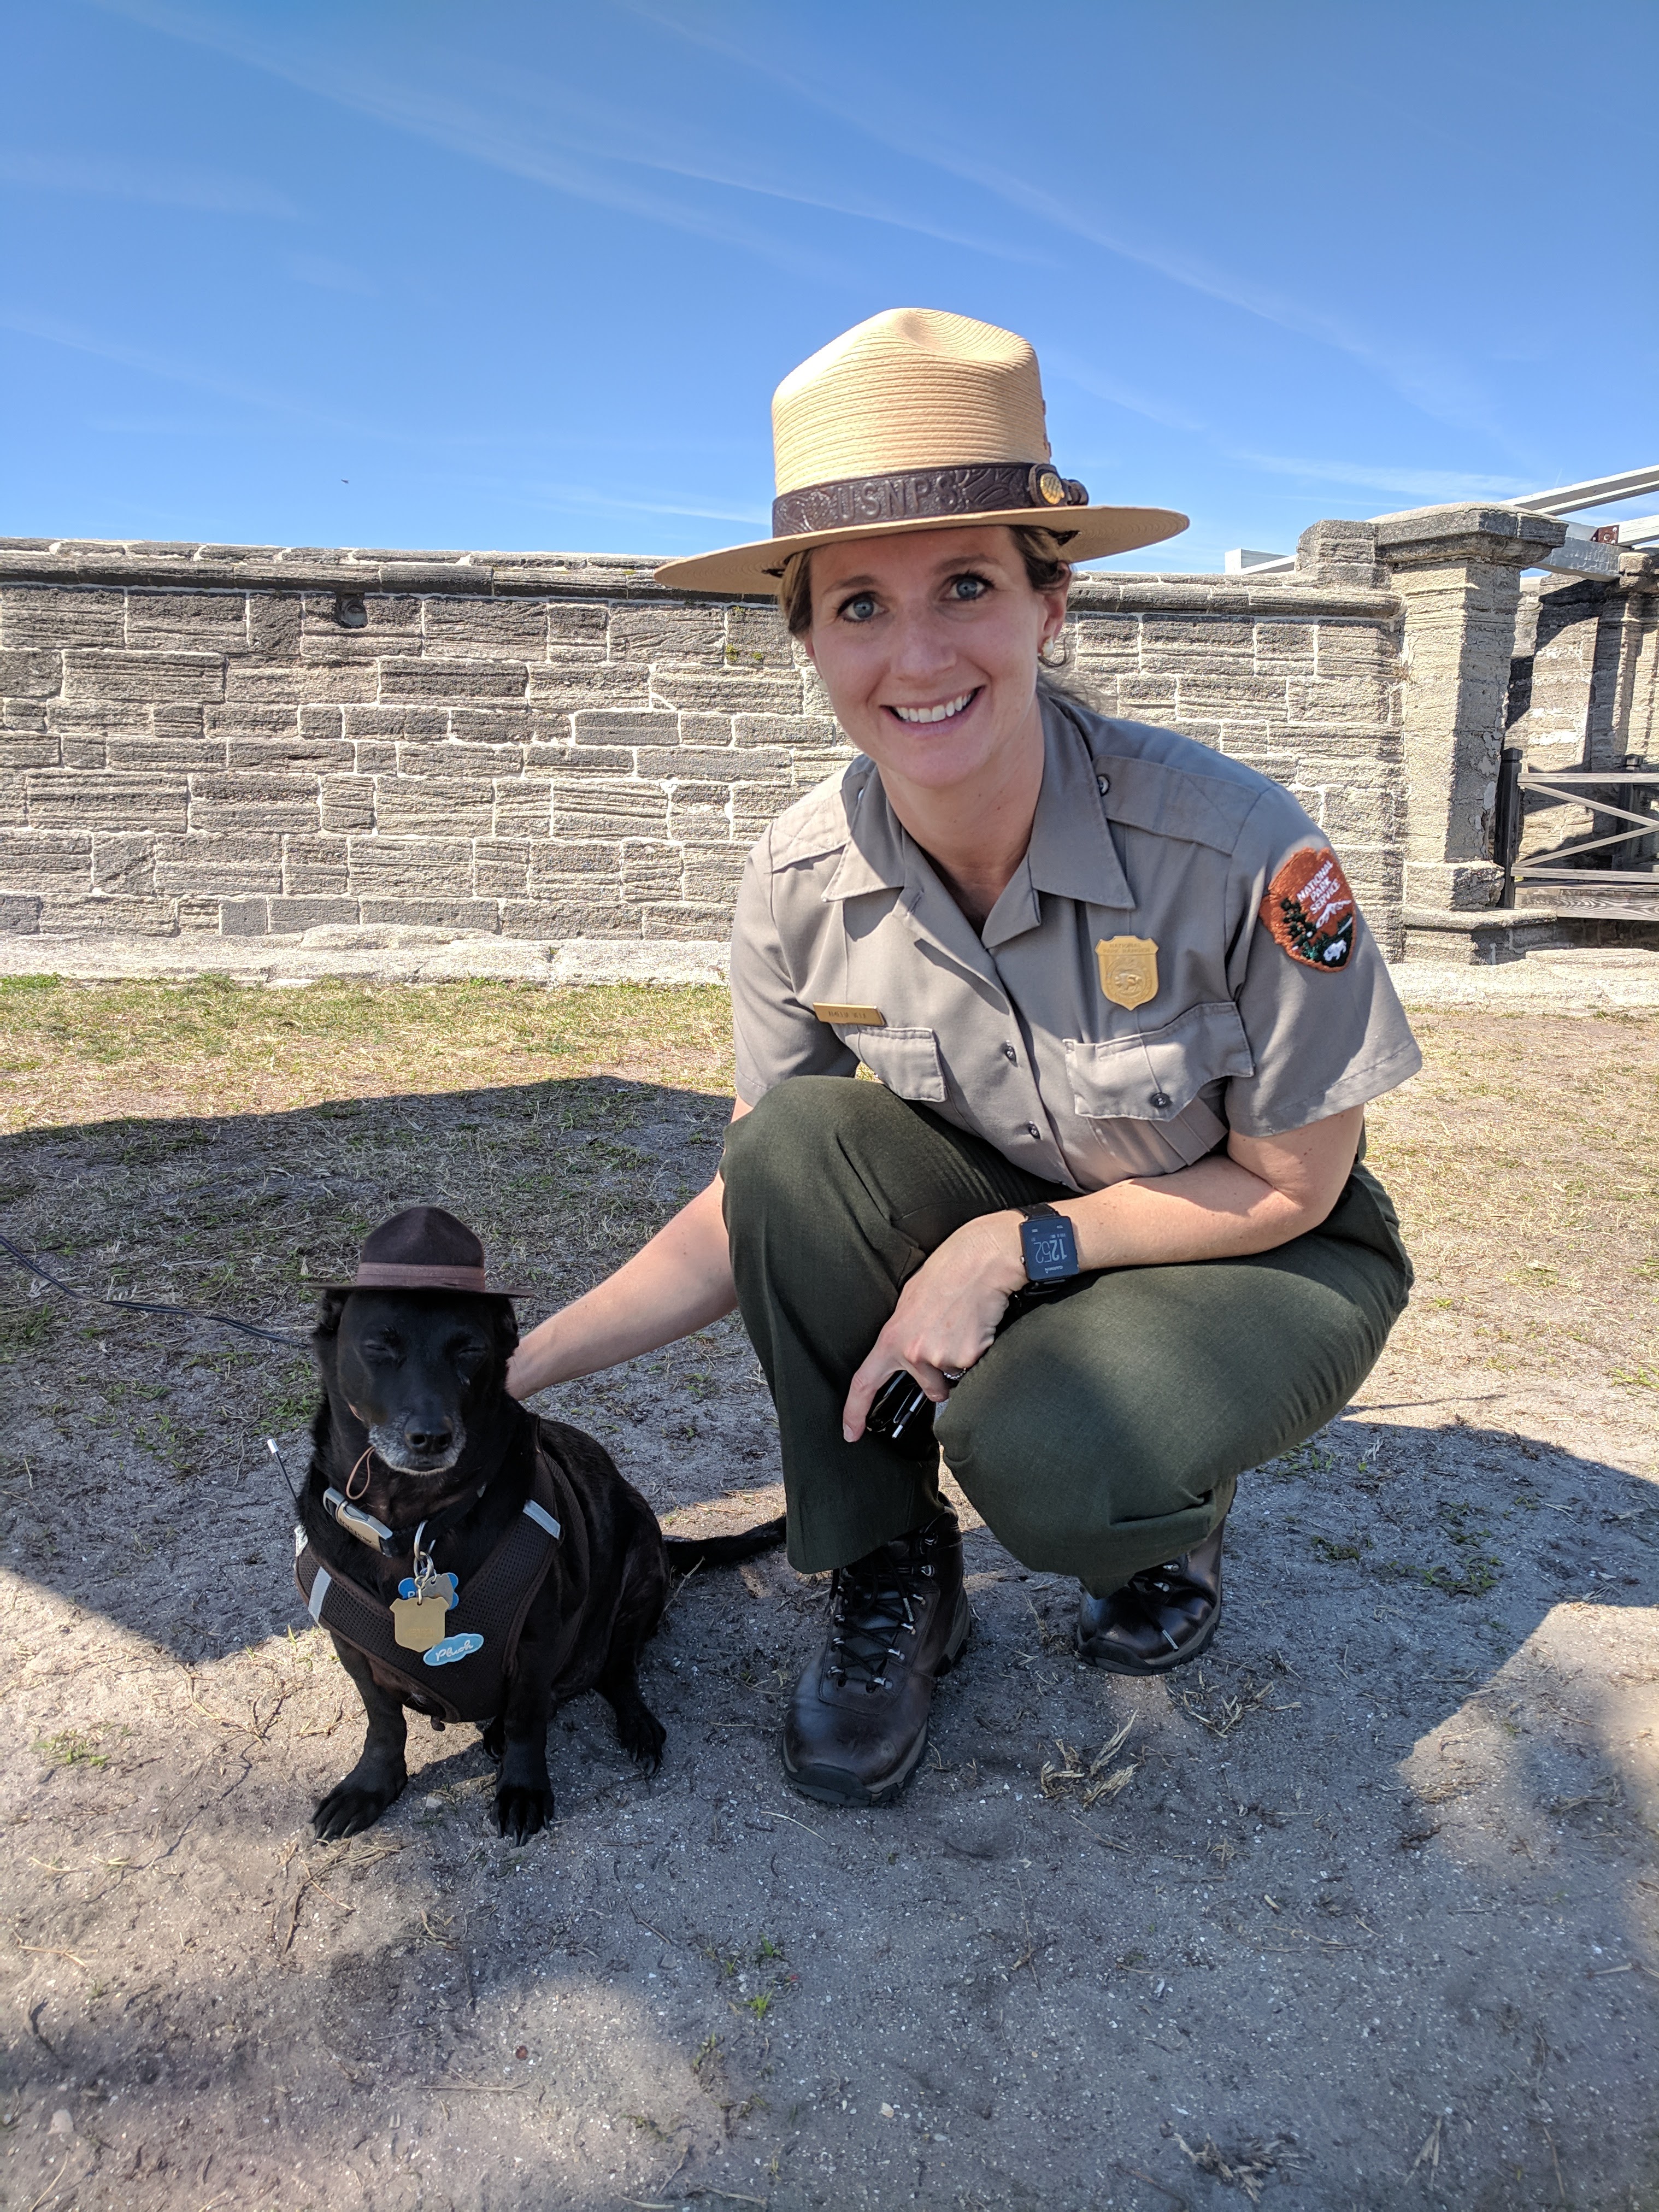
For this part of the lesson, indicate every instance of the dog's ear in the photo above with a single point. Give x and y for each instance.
(506, 1323)
(328, 1320)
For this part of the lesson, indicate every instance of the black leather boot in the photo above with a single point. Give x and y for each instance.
(898, 1620)
(1160, 1618)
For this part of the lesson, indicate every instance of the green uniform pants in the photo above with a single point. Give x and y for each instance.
(1099, 1435)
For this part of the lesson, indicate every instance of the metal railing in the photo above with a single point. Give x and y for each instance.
(1630, 791)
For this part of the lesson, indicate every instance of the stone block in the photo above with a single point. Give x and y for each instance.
(707, 730)
(273, 626)
(187, 622)
(157, 754)
(1208, 690)
(712, 873)
(247, 801)
(289, 756)
(575, 869)
(244, 917)
(30, 673)
(524, 807)
(818, 732)
(465, 682)
(289, 916)
(452, 758)
(625, 726)
(808, 770)
(92, 676)
(410, 867)
(433, 805)
(1285, 645)
(57, 616)
(92, 725)
(700, 812)
(607, 806)
(391, 624)
(123, 863)
(1111, 641)
(13, 804)
(556, 918)
(599, 760)
(212, 864)
(1149, 698)
(1372, 817)
(19, 917)
(345, 803)
(697, 919)
(652, 871)
(756, 807)
(96, 916)
(1366, 700)
(392, 726)
(684, 637)
(567, 684)
(243, 720)
(1167, 640)
(1354, 649)
(314, 867)
(501, 867)
(52, 864)
(103, 799)
(474, 917)
(696, 691)
(576, 622)
(268, 682)
(21, 749)
(713, 764)
(497, 628)
(757, 638)
(515, 724)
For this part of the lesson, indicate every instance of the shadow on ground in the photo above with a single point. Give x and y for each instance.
(1357, 1912)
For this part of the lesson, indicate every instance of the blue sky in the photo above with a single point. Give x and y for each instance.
(438, 275)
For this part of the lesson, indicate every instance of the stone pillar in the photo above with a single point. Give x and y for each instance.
(1457, 571)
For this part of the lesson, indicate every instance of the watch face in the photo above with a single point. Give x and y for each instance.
(1050, 1250)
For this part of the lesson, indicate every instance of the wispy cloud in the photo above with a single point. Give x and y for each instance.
(326, 276)
(1433, 484)
(1068, 367)
(158, 183)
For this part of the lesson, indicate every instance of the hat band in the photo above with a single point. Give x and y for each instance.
(392, 1275)
(911, 494)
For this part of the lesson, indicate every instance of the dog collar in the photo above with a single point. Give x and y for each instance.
(390, 1543)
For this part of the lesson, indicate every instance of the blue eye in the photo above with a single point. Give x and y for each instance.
(968, 587)
(859, 608)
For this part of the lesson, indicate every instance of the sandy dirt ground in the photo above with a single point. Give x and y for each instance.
(1360, 1912)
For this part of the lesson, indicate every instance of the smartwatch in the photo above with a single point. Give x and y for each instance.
(1049, 1245)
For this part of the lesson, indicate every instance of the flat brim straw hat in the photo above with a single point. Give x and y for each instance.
(916, 420)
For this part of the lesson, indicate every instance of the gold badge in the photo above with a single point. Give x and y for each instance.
(1128, 969)
(852, 1018)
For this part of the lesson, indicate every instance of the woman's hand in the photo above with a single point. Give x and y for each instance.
(946, 1316)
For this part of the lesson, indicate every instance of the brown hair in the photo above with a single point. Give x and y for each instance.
(1045, 568)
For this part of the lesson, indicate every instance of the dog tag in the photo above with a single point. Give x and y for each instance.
(418, 1622)
(435, 1587)
(453, 1648)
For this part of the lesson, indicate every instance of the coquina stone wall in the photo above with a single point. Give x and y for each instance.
(251, 740)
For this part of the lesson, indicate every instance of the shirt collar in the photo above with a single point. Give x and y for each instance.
(1070, 853)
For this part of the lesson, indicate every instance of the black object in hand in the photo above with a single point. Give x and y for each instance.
(901, 1414)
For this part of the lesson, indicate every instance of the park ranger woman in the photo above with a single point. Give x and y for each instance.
(1104, 1202)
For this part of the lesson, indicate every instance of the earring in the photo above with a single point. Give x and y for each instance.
(1052, 653)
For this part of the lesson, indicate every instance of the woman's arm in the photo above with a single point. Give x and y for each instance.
(680, 1281)
(1260, 1193)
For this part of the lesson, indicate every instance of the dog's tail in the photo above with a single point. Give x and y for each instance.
(685, 1553)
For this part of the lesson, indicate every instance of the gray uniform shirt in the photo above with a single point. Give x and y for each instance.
(1140, 836)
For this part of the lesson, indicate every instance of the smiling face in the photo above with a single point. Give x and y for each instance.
(927, 644)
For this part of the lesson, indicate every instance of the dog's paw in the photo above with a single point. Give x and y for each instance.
(352, 1805)
(522, 1811)
(642, 1736)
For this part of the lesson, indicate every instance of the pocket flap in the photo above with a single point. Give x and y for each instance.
(906, 1060)
(1155, 1076)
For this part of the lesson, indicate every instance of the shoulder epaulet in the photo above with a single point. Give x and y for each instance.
(820, 822)
(1177, 787)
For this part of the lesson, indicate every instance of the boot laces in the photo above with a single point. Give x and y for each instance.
(872, 1607)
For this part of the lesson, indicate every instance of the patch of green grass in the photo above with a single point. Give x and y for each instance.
(72, 1748)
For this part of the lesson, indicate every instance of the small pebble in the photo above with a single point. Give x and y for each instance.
(62, 2124)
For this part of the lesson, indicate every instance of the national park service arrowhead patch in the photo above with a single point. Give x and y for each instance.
(1311, 910)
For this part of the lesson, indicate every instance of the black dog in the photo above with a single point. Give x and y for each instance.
(416, 1427)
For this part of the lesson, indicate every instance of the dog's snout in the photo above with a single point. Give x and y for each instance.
(428, 1434)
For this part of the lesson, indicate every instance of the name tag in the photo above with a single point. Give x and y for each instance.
(855, 1018)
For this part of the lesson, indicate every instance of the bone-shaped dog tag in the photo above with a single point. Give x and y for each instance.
(418, 1622)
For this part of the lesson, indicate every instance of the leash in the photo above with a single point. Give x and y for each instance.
(143, 1306)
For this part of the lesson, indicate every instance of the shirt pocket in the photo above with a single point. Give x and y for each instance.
(1152, 1097)
(906, 1060)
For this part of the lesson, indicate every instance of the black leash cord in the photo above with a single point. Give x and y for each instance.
(141, 1305)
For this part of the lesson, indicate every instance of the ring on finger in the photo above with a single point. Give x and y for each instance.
(953, 1374)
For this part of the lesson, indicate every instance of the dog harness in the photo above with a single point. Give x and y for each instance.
(464, 1677)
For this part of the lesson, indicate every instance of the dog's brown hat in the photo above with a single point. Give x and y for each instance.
(424, 1248)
